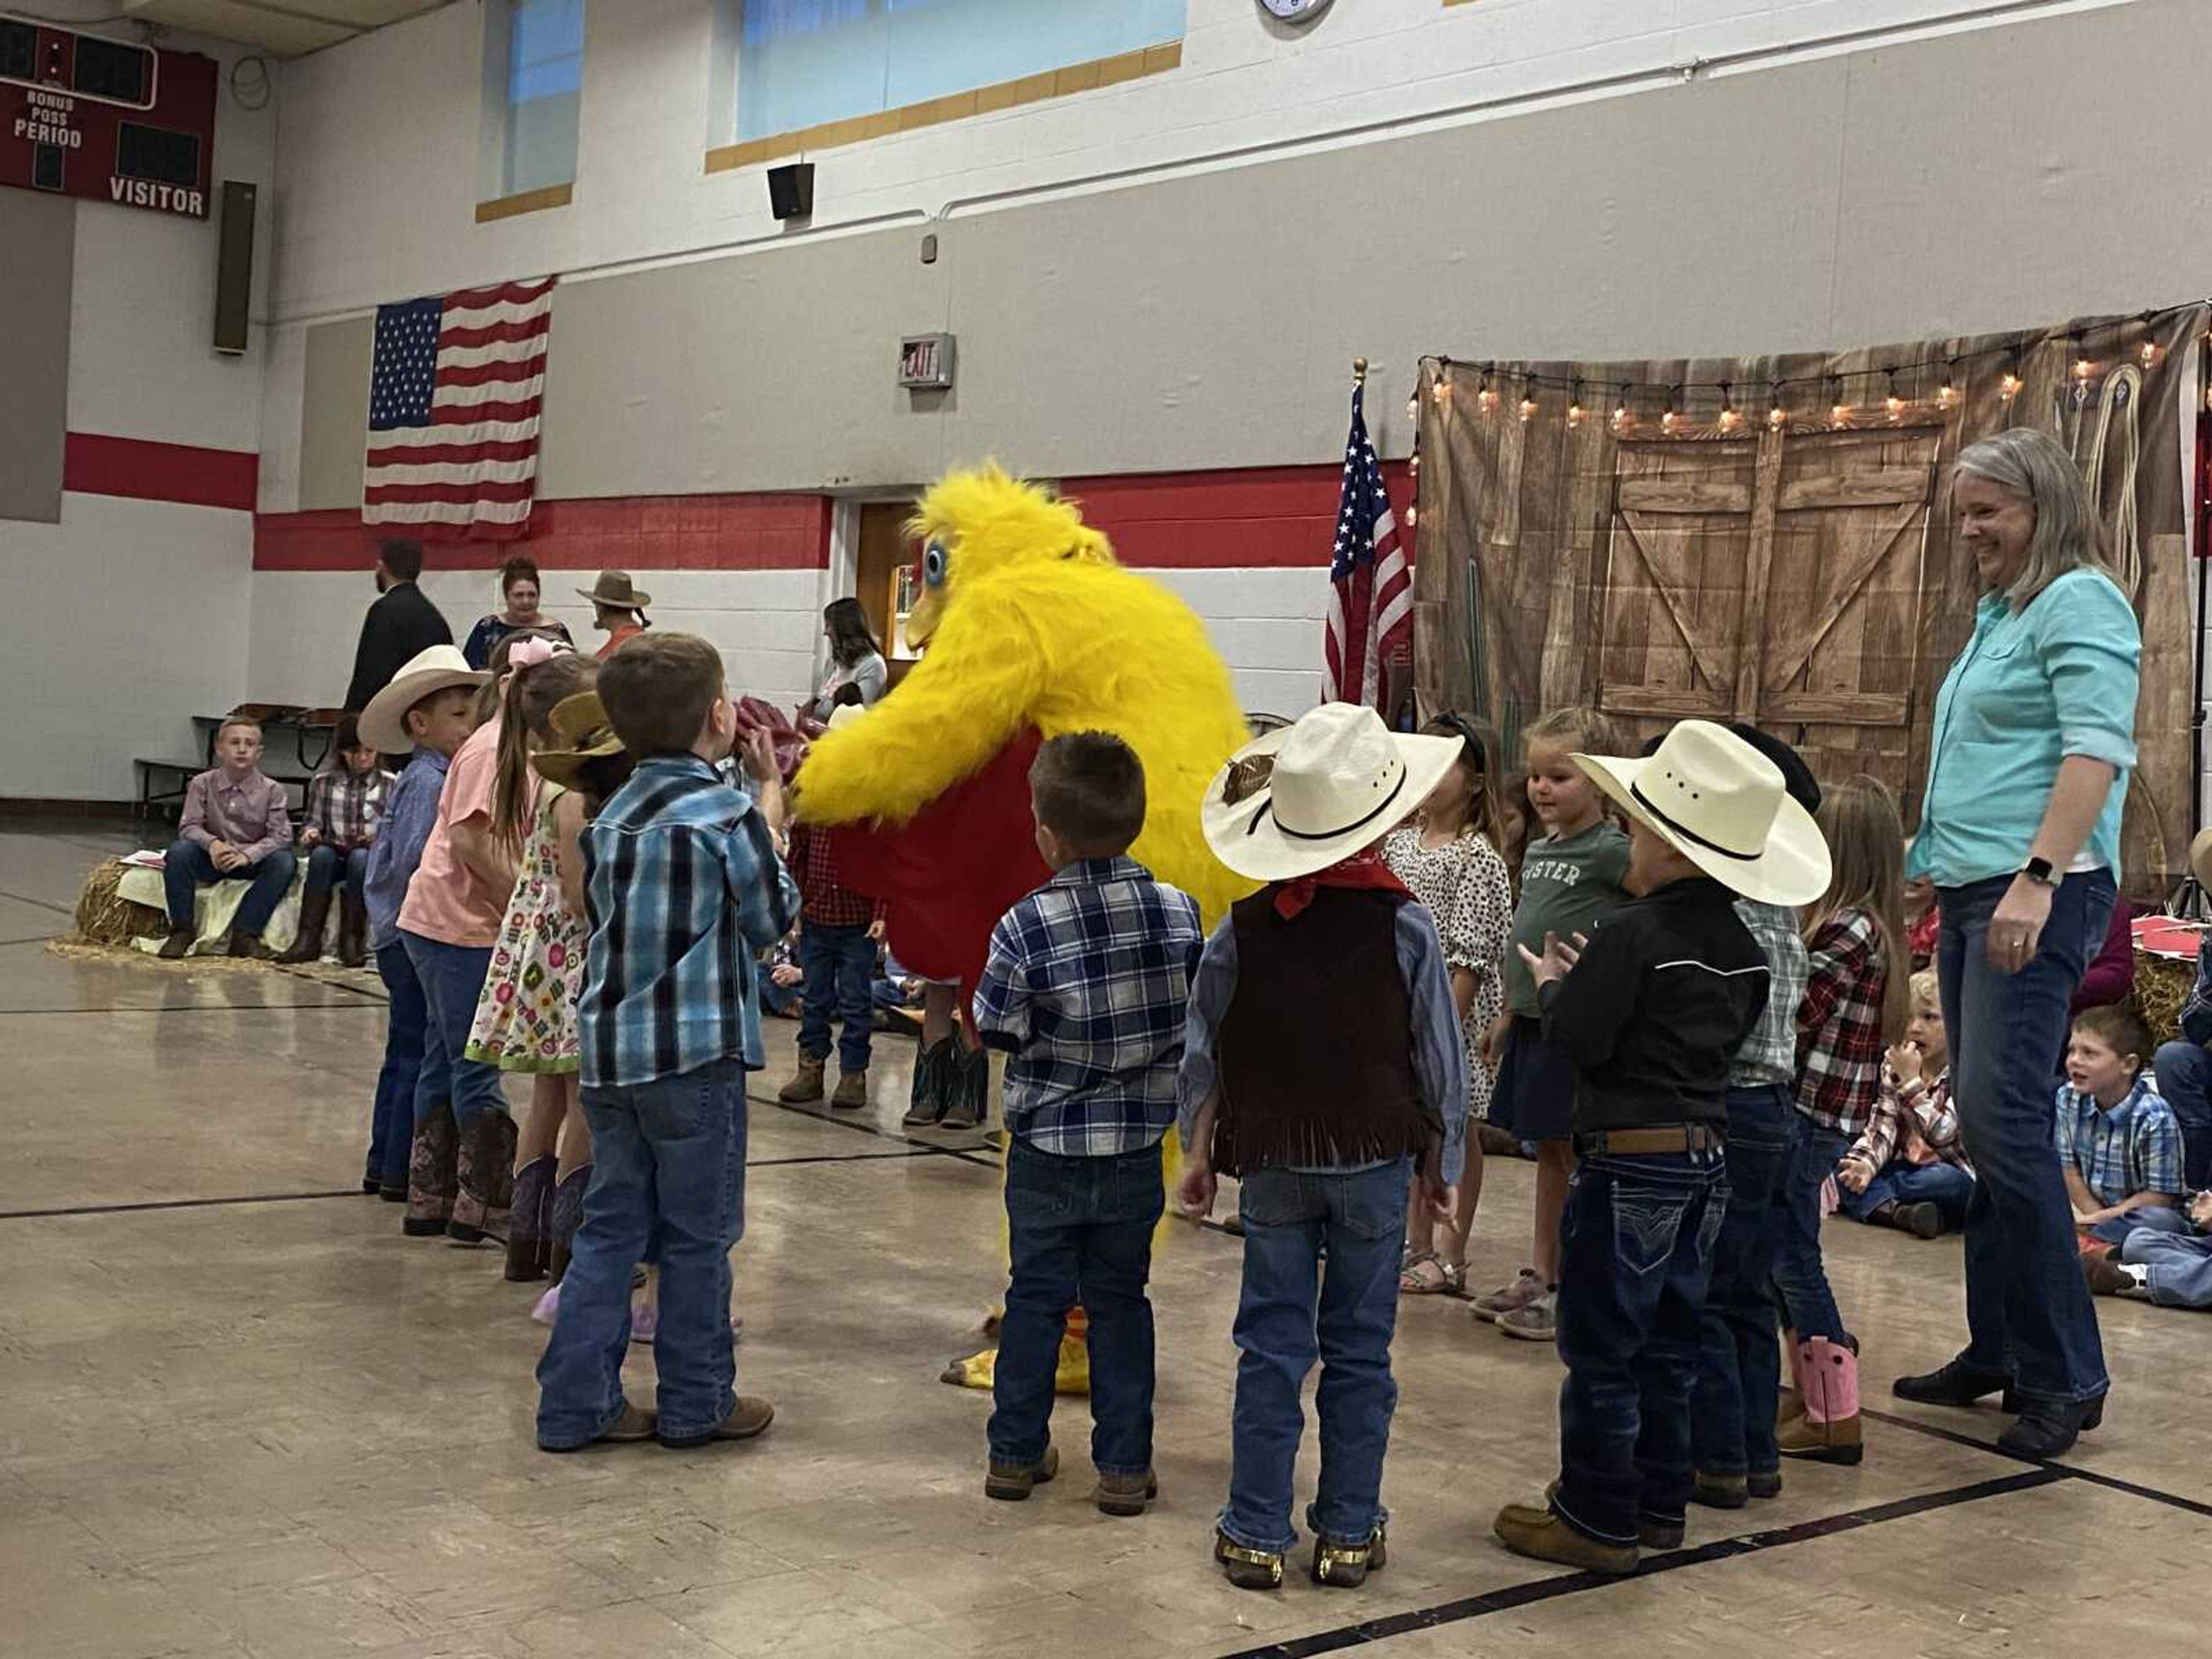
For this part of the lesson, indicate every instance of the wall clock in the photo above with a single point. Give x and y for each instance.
(1294, 11)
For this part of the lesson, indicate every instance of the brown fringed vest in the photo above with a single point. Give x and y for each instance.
(1317, 1048)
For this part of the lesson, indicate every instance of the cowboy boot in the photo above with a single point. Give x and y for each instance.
(1791, 1404)
(564, 1216)
(969, 1076)
(931, 1096)
(353, 931)
(1828, 1432)
(430, 1174)
(527, 1243)
(485, 1180)
(307, 944)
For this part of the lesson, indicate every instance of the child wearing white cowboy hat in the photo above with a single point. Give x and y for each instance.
(1653, 1007)
(1323, 1062)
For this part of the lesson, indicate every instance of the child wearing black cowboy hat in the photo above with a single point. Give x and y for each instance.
(1653, 1005)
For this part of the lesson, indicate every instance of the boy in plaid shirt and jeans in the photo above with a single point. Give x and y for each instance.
(1085, 988)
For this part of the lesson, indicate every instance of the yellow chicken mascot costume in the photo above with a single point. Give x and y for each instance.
(1033, 630)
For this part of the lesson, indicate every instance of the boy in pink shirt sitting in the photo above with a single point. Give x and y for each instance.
(236, 826)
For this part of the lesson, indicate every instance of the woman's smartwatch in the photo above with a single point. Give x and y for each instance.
(2039, 872)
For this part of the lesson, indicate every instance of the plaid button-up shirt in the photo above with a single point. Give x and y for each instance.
(1912, 1115)
(1839, 1047)
(681, 888)
(343, 807)
(2134, 1148)
(1086, 988)
(824, 899)
(1769, 1055)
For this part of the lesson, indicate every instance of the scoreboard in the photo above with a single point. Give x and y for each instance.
(109, 120)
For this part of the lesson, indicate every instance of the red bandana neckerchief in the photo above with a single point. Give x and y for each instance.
(1362, 871)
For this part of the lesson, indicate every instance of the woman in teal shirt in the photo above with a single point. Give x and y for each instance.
(2020, 831)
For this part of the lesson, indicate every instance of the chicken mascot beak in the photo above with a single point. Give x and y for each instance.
(921, 621)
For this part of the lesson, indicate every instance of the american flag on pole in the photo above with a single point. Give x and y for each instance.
(454, 395)
(1370, 602)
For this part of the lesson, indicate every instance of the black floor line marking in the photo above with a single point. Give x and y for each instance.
(27, 939)
(1532, 1591)
(37, 904)
(210, 1008)
(901, 1156)
(2111, 1482)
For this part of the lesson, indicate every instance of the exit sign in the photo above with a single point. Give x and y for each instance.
(925, 362)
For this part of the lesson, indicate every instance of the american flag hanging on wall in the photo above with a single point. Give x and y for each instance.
(455, 391)
(1370, 600)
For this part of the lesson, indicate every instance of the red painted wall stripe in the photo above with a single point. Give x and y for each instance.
(94, 463)
(1253, 518)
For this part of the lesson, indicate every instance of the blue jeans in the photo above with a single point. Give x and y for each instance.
(1739, 1367)
(2184, 1077)
(1945, 1185)
(2029, 1315)
(452, 977)
(2151, 1218)
(1292, 1312)
(1799, 1274)
(1635, 1250)
(188, 867)
(840, 970)
(668, 1176)
(392, 1125)
(2177, 1264)
(325, 862)
(775, 998)
(1079, 1230)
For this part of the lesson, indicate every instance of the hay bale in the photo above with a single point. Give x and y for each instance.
(104, 916)
(2162, 985)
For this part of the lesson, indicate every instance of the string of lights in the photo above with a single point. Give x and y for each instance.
(1900, 385)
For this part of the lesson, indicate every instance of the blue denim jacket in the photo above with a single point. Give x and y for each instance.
(2030, 688)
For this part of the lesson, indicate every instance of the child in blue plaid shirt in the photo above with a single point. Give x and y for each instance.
(2119, 1145)
(683, 885)
(1084, 989)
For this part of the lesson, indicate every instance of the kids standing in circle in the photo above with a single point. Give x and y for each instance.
(1448, 856)
(1569, 877)
(1855, 1004)
(525, 1017)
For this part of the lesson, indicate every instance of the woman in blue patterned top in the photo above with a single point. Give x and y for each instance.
(2019, 832)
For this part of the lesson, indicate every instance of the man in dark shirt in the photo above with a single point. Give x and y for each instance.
(1652, 1007)
(399, 627)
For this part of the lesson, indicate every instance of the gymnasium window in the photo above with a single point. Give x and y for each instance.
(803, 64)
(544, 90)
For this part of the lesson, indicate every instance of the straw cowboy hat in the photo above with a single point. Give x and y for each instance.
(581, 727)
(844, 715)
(1716, 800)
(384, 722)
(614, 589)
(1307, 796)
(2200, 857)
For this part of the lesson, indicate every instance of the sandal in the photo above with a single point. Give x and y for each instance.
(1447, 1279)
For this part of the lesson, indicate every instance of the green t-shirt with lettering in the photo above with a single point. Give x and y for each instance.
(1566, 884)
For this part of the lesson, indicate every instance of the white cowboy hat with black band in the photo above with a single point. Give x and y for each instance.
(1301, 799)
(1716, 800)
(384, 722)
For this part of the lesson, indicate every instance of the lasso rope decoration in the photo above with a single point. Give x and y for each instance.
(2121, 400)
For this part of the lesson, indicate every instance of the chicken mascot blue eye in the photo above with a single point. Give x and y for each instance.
(932, 564)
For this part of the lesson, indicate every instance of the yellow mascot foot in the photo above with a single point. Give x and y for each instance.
(978, 1370)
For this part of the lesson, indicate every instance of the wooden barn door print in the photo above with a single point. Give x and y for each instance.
(1775, 579)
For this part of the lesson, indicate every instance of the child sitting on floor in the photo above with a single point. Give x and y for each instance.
(1327, 1107)
(2119, 1145)
(1908, 1168)
(236, 826)
(429, 709)
(345, 801)
(1084, 991)
(1652, 1010)
(2168, 1261)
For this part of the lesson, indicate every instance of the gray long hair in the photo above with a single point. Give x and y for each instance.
(2034, 466)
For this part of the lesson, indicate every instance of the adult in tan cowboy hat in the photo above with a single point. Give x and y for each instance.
(1716, 800)
(384, 722)
(617, 609)
(1307, 796)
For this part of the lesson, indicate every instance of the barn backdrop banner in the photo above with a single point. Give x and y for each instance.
(1770, 539)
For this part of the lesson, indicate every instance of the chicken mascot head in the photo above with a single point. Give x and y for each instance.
(1032, 630)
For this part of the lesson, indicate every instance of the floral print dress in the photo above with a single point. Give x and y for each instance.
(527, 1018)
(1464, 885)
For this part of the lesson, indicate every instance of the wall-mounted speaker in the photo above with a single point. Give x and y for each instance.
(790, 190)
(233, 276)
